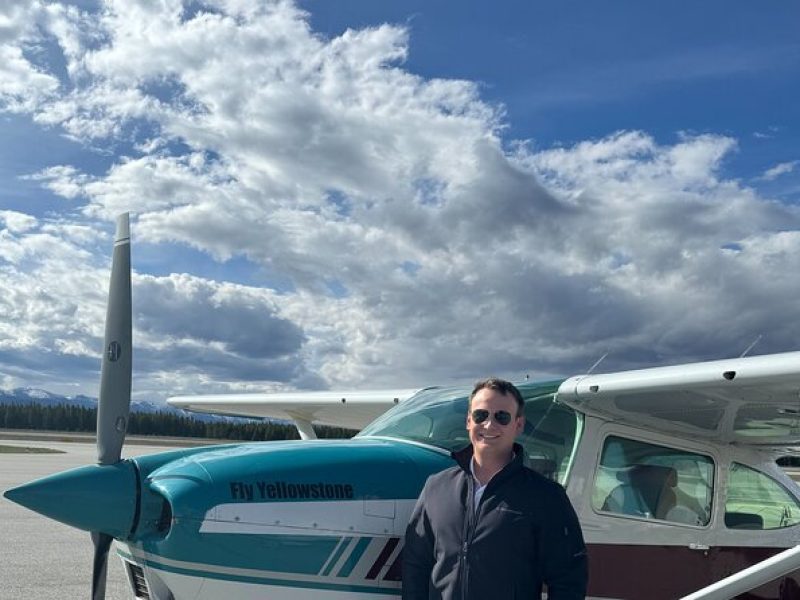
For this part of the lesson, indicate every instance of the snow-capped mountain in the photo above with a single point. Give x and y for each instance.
(28, 395)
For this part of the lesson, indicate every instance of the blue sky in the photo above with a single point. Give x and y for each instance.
(370, 194)
(568, 71)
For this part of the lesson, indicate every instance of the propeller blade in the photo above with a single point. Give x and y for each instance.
(114, 404)
(102, 543)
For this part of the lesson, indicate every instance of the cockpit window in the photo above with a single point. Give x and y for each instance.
(648, 481)
(756, 501)
(438, 416)
(434, 416)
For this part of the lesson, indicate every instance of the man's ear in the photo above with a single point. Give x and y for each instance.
(520, 424)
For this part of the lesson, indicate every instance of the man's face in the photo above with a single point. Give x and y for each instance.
(490, 436)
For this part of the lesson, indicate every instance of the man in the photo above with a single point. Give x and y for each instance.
(491, 528)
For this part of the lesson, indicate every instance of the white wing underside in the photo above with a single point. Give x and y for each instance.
(753, 401)
(350, 409)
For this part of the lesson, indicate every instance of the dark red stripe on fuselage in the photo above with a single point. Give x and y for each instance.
(639, 572)
(633, 572)
(388, 548)
(395, 572)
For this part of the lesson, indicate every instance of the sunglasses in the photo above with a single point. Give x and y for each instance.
(502, 417)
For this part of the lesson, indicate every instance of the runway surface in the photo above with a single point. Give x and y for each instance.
(41, 559)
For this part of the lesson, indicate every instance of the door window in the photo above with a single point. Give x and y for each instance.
(649, 481)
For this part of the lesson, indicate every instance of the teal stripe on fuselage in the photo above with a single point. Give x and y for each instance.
(354, 557)
(300, 554)
(338, 554)
(266, 580)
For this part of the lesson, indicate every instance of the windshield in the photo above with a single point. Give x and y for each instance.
(437, 416)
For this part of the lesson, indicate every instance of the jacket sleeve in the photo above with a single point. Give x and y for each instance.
(565, 567)
(418, 553)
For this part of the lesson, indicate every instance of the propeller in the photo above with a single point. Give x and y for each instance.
(113, 407)
(102, 543)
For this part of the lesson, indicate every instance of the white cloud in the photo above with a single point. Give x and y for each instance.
(779, 169)
(52, 306)
(416, 247)
(63, 180)
(22, 85)
(16, 222)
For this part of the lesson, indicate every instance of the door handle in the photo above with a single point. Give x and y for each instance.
(702, 547)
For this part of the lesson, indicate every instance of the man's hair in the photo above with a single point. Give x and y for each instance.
(499, 385)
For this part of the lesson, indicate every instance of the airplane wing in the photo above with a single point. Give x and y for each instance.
(352, 409)
(753, 401)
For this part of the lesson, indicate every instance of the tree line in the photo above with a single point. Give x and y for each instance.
(68, 417)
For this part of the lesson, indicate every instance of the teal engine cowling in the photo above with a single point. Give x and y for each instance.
(318, 514)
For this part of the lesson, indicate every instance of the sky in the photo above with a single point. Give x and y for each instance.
(364, 195)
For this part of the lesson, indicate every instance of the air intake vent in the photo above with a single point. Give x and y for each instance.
(138, 582)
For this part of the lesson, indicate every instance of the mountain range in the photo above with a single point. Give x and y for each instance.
(28, 395)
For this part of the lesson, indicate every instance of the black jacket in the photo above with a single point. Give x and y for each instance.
(524, 534)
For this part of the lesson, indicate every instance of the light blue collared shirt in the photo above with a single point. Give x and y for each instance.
(479, 489)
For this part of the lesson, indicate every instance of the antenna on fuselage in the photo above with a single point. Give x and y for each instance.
(594, 366)
(750, 347)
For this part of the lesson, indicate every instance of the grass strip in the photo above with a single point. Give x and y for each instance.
(27, 450)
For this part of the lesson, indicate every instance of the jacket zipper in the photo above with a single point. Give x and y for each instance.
(471, 523)
(466, 537)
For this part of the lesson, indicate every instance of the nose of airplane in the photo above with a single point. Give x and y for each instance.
(99, 498)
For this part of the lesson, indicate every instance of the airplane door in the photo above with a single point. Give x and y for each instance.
(647, 518)
(760, 517)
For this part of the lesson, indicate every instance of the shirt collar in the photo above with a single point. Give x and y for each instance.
(472, 466)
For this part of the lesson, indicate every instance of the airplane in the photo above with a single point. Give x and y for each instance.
(671, 470)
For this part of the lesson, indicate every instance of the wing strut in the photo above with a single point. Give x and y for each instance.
(304, 427)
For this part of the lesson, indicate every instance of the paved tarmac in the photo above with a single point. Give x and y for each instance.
(41, 559)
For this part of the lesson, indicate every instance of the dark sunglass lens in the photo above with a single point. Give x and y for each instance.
(503, 417)
(479, 415)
